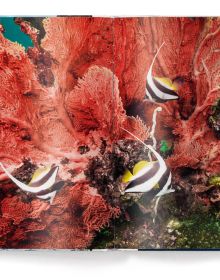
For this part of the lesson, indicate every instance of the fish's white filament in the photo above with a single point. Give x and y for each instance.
(147, 93)
(154, 123)
(156, 207)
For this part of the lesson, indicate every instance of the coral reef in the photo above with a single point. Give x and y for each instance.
(65, 100)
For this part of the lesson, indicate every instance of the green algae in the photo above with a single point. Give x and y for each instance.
(198, 231)
(164, 148)
(214, 180)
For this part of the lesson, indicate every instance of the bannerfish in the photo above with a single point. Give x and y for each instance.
(149, 176)
(160, 89)
(43, 183)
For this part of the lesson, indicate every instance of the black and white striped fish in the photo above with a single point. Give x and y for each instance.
(43, 184)
(154, 177)
(160, 89)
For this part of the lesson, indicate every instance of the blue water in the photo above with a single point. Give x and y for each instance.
(13, 32)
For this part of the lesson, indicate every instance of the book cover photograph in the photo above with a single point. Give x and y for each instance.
(110, 133)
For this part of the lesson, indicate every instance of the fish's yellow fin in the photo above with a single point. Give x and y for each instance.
(139, 166)
(127, 177)
(156, 186)
(40, 172)
(167, 82)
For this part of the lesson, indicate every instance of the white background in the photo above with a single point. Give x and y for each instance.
(124, 265)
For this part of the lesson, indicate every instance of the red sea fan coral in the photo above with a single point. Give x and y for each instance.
(70, 222)
(196, 142)
(130, 57)
(15, 107)
(84, 106)
(108, 117)
(90, 42)
(28, 110)
(86, 41)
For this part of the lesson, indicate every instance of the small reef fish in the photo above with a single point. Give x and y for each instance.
(148, 176)
(43, 183)
(160, 89)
